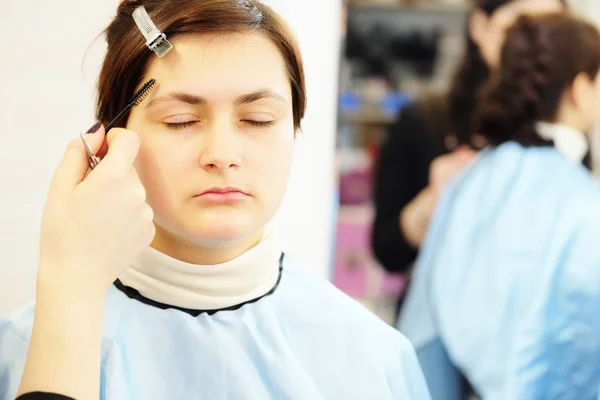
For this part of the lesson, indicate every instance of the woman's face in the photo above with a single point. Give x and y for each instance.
(489, 32)
(217, 137)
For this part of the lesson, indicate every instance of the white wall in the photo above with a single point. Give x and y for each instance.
(306, 216)
(587, 8)
(46, 98)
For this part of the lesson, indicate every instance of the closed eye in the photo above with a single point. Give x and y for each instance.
(260, 124)
(187, 124)
(179, 125)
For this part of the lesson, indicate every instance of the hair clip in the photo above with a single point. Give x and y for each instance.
(155, 39)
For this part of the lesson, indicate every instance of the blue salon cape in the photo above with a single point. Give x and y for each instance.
(507, 286)
(305, 341)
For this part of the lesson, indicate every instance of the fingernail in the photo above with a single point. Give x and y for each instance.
(94, 128)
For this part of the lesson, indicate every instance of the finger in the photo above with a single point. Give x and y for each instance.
(103, 149)
(140, 190)
(106, 142)
(123, 147)
(74, 165)
(95, 136)
(112, 134)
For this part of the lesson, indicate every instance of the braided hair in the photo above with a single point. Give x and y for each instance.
(540, 59)
(471, 75)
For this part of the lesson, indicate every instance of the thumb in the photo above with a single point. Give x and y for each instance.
(74, 164)
(123, 147)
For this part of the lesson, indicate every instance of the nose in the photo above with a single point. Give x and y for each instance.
(220, 149)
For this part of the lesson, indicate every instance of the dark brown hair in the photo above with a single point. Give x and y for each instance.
(540, 59)
(127, 57)
(470, 76)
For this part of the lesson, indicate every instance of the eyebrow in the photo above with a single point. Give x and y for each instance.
(193, 99)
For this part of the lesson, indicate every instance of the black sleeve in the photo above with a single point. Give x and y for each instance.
(395, 187)
(43, 396)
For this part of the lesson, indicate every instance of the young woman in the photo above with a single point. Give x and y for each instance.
(508, 280)
(212, 308)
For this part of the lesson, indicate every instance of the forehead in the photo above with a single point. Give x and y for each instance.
(221, 66)
(512, 10)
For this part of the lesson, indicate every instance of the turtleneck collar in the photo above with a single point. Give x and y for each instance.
(567, 140)
(166, 280)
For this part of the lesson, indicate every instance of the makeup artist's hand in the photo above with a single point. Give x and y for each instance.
(416, 215)
(445, 167)
(94, 226)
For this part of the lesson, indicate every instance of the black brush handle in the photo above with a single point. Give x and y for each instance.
(118, 118)
(135, 100)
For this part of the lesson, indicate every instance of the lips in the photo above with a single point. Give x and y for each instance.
(222, 195)
(225, 190)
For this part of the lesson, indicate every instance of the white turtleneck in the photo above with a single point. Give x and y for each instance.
(567, 140)
(167, 280)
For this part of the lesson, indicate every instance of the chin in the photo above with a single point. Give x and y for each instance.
(220, 229)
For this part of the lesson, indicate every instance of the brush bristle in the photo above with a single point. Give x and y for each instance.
(143, 92)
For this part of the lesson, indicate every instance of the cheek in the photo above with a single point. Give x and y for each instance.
(159, 172)
(148, 169)
(493, 47)
(273, 164)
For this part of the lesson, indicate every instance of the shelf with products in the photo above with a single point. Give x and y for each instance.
(370, 116)
(354, 108)
(388, 60)
(413, 5)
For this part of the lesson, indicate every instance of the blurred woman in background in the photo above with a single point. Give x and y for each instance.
(432, 140)
(508, 281)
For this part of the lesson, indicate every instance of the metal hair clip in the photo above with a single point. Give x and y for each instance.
(155, 39)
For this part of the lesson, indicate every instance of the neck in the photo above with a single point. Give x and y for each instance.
(568, 140)
(569, 117)
(162, 275)
(202, 253)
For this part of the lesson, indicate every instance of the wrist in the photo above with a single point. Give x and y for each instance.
(66, 296)
(411, 226)
(68, 309)
(66, 341)
(67, 321)
(57, 280)
(415, 217)
(433, 192)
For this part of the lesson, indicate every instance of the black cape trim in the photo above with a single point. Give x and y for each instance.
(135, 295)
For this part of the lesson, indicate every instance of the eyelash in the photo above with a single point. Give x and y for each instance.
(183, 125)
(179, 125)
(260, 124)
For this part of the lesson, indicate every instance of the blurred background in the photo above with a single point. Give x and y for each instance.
(393, 52)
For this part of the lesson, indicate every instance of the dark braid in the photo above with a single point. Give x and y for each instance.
(471, 75)
(512, 103)
(540, 59)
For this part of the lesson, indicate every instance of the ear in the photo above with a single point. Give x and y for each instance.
(478, 21)
(582, 91)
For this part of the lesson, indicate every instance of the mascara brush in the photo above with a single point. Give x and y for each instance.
(94, 160)
(134, 101)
